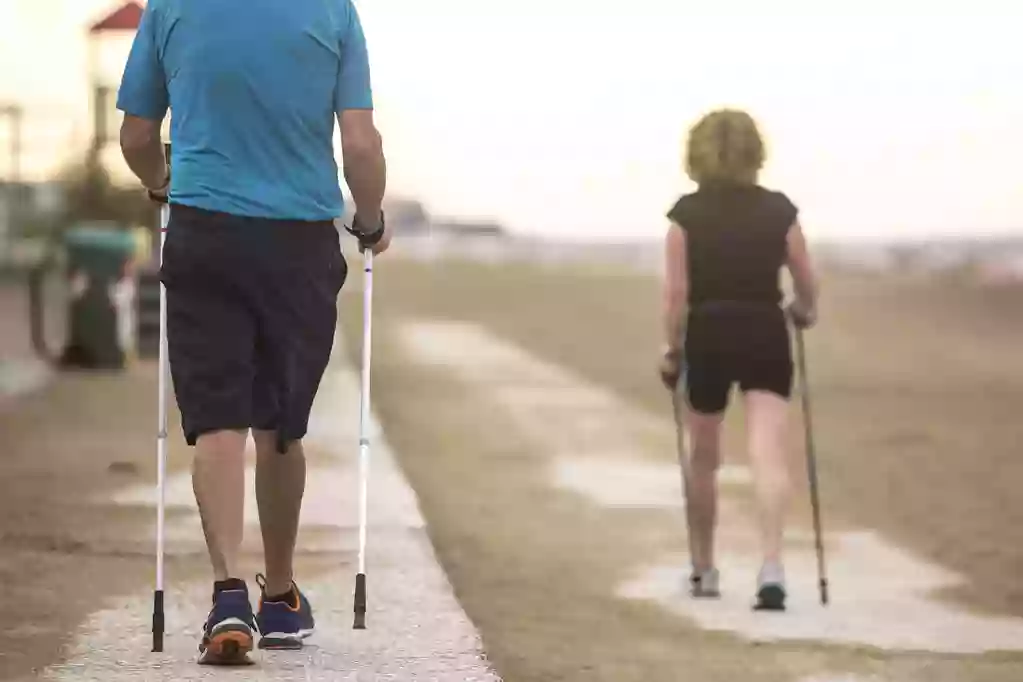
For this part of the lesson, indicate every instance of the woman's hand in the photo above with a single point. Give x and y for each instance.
(670, 367)
(802, 316)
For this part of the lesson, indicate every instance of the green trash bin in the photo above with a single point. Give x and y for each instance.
(101, 288)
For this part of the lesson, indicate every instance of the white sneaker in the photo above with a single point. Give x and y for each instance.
(705, 585)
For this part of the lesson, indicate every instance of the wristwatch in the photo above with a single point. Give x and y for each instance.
(161, 195)
(366, 239)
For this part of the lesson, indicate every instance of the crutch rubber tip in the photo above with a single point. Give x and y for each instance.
(158, 621)
(360, 602)
(824, 592)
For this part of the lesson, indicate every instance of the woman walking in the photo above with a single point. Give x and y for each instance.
(724, 324)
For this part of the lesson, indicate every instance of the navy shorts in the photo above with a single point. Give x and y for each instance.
(251, 315)
(728, 344)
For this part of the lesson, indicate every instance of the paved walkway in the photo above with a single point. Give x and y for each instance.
(594, 454)
(416, 629)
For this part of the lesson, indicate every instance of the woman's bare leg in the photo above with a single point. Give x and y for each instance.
(700, 462)
(767, 416)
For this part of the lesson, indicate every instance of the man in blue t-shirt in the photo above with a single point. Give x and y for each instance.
(252, 262)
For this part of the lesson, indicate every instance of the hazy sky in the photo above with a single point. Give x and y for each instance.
(567, 117)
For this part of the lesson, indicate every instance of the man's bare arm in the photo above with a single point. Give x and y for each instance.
(143, 151)
(365, 168)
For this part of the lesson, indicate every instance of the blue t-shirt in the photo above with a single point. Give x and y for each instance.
(253, 87)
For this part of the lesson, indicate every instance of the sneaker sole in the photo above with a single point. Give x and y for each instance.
(229, 646)
(281, 641)
(770, 598)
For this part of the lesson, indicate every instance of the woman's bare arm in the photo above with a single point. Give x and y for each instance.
(676, 287)
(804, 281)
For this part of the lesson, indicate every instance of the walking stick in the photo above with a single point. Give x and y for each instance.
(811, 465)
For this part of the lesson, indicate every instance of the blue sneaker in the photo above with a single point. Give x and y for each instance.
(284, 624)
(228, 634)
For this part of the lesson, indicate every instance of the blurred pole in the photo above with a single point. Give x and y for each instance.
(14, 115)
(37, 310)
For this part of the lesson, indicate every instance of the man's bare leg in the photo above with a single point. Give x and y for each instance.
(218, 479)
(280, 485)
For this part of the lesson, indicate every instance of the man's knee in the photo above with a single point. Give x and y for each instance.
(226, 440)
(268, 443)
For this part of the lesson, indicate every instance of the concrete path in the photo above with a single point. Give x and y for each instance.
(416, 629)
(597, 452)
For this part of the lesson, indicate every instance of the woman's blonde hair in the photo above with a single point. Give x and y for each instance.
(725, 146)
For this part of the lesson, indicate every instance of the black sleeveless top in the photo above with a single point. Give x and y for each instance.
(736, 241)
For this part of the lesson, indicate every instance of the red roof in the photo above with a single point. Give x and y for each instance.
(125, 18)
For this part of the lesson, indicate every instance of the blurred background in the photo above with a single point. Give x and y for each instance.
(533, 150)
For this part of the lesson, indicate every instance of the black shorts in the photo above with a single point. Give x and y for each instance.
(731, 344)
(251, 315)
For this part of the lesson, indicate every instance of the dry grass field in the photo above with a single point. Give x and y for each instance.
(916, 387)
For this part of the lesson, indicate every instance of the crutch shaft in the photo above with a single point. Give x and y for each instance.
(364, 404)
(159, 621)
(811, 466)
(364, 439)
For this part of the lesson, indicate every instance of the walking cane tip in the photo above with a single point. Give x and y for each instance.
(360, 602)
